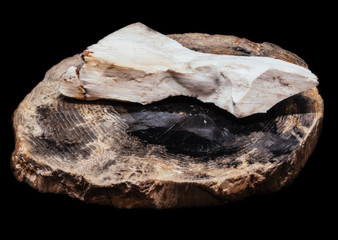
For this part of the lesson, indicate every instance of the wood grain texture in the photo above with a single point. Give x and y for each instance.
(174, 153)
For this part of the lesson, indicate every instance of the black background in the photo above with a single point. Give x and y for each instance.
(36, 37)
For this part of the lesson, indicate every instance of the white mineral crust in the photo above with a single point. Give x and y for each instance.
(138, 64)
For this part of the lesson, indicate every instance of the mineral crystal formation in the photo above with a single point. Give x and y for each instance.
(138, 64)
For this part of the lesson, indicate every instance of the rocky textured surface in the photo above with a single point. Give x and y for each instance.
(178, 152)
(138, 64)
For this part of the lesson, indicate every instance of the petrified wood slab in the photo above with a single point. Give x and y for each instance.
(178, 152)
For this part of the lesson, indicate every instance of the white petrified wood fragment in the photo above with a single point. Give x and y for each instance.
(138, 64)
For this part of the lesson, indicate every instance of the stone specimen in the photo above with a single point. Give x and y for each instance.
(138, 64)
(178, 152)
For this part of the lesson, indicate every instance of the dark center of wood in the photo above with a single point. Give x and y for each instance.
(187, 126)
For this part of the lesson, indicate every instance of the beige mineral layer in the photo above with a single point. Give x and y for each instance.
(138, 64)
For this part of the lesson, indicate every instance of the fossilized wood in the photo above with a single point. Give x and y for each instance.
(174, 153)
(138, 64)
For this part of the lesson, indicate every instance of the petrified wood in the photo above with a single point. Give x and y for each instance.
(178, 152)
